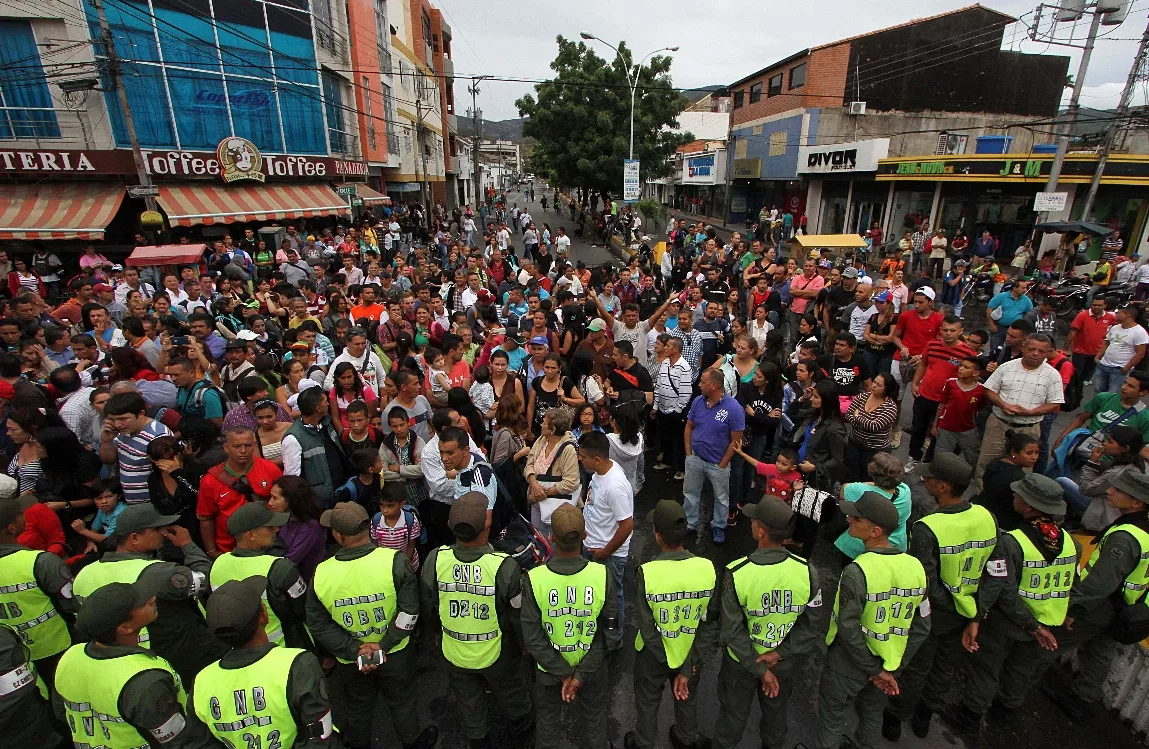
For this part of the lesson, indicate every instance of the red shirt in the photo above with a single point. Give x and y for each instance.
(459, 374)
(780, 485)
(1090, 331)
(371, 312)
(217, 501)
(941, 365)
(959, 407)
(916, 332)
(42, 530)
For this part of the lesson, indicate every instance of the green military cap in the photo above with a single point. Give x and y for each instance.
(233, 607)
(13, 507)
(346, 518)
(1133, 483)
(771, 512)
(567, 520)
(874, 507)
(468, 515)
(110, 606)
(254, 515)
(667, 516)
(949, 468)
(138, 517)
(1041, 493)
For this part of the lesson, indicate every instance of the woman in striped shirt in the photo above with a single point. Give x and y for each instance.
(871, 417)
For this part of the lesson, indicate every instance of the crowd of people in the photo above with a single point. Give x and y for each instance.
(240, 495)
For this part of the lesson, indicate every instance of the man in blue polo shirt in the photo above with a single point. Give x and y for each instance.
(1004, 309)
(713, 428)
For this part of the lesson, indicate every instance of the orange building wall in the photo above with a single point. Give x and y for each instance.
(365, 63)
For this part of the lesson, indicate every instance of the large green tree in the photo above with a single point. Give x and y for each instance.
(581, 118)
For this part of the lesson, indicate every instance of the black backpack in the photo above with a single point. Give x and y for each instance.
(1074, 391)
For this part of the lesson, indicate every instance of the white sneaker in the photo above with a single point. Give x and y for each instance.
(911, 464)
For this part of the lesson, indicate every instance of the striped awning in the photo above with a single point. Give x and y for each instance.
(370, 195)
(190, 204)
(58, 210)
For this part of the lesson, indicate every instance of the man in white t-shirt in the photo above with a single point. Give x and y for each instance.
(1124, 347)
(504, 237)
(608, 512)
(562, 242)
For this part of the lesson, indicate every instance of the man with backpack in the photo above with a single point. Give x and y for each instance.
(244, 477)
(197, 397)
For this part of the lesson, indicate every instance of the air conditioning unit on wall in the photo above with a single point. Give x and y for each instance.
(951, 145)
(857, 107)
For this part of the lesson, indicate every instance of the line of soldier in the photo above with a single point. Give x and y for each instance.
(898, 625)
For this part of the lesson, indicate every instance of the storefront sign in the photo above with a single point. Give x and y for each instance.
(700, 170)
(172, 165)
(239, 159)
(1077, 169)
(858, 156)
(747, 168)
(1050, 201)
(630, 185)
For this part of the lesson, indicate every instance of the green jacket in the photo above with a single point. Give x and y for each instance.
(1088, 600)
(999, 590)
(809, 629)
(314, 466)
(334, 638)
(555, 667)
(286, 595)
(508, 589)
(704, 642)
(924, 547)
(53, 577)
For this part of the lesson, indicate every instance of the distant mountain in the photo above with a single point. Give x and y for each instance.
(494, 130)
(694, 94)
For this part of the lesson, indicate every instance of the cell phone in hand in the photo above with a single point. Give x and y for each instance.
(180, 340)
(375, 659)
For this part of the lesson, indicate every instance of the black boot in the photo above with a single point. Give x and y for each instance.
(962, 718)
(1000, 713)
(482, 743)
(891, 726)
(427, 739)
(522, 728)
(920, 720)
(628, 740)
(1075, 708)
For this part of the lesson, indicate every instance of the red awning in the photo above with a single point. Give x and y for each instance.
(167, 254)
(58, 210)
(189, 204)
(370, 195)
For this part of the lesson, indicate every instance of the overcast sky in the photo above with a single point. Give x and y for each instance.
(728, 40)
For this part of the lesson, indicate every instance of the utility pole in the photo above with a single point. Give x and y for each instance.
(1064, 130)
(422, 153)
(731, 148)
(476, 124)
(1118, 124)
(117, 75)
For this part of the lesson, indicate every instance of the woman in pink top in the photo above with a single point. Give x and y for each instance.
(94, 263)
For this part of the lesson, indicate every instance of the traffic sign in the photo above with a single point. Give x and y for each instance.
(630, 186)
(345, 190)
(1050, 202)
(356, 202)
(143, 191)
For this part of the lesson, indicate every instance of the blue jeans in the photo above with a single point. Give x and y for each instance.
(1073, 496)
(617, 566)
(1108, 379)
(1043, 443)
(697, 471)
(742, 473)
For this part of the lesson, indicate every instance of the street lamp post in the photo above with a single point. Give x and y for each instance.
(631, 80)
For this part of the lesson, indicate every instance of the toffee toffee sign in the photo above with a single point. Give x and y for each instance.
(235, 159)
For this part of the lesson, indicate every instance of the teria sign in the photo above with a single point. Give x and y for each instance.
(234, 159)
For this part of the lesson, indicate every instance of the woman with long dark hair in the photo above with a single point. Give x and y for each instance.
(173, 484)
(67, 471)
(820, 454)
(871, 417)
(1021, 452)
(347, 387)
(303, 539)
(24, 426)
(460, 400)
(1086, 496)
(761, 399)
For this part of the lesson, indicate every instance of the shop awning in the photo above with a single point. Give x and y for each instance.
(830, 240)
(167, 254)
(189, 205)
(58, 210)
(1083, 227)
(370, 195)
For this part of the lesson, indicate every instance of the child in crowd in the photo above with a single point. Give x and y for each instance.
(359, 433)
(396, 526)
(586, 420)
(109, 505)
(402, 451)
(962, 397)
(365, 486)
(437, 374)
(780, 476)
(482, 392)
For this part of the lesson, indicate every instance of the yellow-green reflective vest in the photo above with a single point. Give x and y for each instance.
(27, 609)
(98, 574)
(248, 707)
(678, 593)
(228, 567)
(895, 587)
(24, 674)
(471, 634)
(570, 605)
(772, 596)
(1137, 581)
(965, 541)
(90, 689)
(1044, 585)
(359, 594)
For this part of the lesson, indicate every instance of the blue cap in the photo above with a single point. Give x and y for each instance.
(540, 340)
(883, 297)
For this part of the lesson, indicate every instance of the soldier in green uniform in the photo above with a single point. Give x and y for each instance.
(259, 694)
(677, 623)
(953, 544)
(254, 528)
(35, 588)
(25, 714)
(1024, 595)
(363, 605)
(772, 617)
(178, 633)
(569, 614)
(114, 694)
(471, 597)
(881, 617)
(1119, 564)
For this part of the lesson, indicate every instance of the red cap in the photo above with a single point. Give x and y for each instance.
(484, 296)
(7, 392)
(98, 288)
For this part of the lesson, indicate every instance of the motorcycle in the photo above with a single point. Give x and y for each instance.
(1066, 296)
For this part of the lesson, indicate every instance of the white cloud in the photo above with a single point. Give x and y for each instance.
(1104, 96)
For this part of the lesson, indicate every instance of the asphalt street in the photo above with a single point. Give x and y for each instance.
(1037, 724)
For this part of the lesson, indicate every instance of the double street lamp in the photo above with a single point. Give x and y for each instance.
(632, 80)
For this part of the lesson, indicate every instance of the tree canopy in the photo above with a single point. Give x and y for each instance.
(581, 118)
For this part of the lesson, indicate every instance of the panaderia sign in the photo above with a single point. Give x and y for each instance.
(240, 161)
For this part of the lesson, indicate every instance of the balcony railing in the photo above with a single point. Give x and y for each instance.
(44, 126)
(343, 143)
